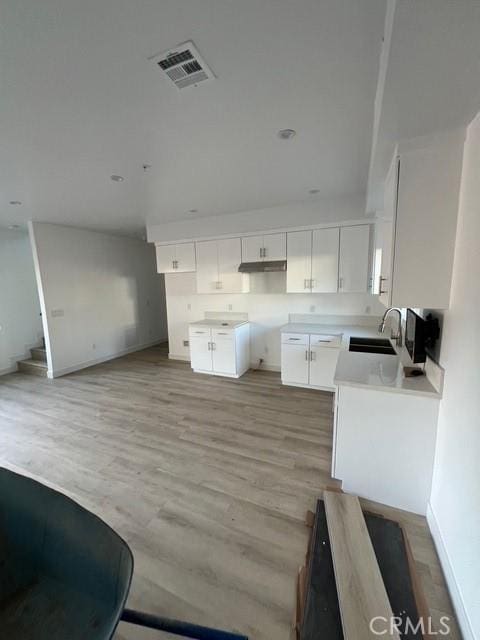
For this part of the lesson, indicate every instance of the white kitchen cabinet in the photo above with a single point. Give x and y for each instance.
(325, 247)
(323, 362)
(217, 267)
(176, 258)
(385, 446)
(309, 360)
(299, 261)
(354, 261)
(223, 352)
(271, 246)
(421, 204)
(200, 350)
(295, 364)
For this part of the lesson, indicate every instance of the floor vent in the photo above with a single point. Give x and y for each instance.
(183, 65)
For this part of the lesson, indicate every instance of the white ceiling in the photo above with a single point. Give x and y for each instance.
(432, 80)
(80, 101)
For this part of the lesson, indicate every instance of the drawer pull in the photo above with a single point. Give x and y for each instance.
(294, 338)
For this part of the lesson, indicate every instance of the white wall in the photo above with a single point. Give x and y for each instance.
(20, 322)
(316, 212)
(266, 311)
(455, 502)
(100, 294)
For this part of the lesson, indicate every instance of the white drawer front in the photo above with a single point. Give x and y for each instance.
(326, 340)
(295, 338)
(223, 334)
(199, 331)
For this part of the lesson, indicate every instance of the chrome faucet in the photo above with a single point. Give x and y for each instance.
(395, 336)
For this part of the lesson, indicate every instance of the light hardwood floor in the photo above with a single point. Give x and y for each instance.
(208, 479)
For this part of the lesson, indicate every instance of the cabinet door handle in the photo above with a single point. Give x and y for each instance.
(382, 279)
(312, 283)
(340, 283)
(214, 346)
(306, 356)
(294, 338)
(209, 345)
(222, 333)
(306, 284)
(312, 356)
(202, 332)
(264, 252)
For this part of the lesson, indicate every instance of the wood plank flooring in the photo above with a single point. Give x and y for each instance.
(361, 592)
(208, 479)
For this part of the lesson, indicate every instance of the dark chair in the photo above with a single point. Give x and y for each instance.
(64, 573)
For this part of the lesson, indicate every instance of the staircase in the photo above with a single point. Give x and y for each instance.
(37, 364)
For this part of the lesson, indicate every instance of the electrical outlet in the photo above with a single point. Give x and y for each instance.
(368, 309)
(230, 307)
(312, 308)
(266, 349)
(58, 313)
(189, 307)
(94, 346)
(186, 343)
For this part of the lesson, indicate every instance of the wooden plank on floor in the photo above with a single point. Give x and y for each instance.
(361, 591)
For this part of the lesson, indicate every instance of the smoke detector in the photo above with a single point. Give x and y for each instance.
(183, 65)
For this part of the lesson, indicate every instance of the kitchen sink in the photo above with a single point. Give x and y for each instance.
(372, 345)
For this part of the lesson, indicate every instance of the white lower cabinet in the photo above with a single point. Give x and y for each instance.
(295, 364)
(310, 360)
(219, 352)
(384, 446)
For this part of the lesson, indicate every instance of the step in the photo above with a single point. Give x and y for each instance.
(361, 592)
(39, 353)
(33, 367)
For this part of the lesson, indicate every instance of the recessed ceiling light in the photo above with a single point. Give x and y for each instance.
(193, 211)
(15, 202)
(314, 191)
(286, 134)
(117, 178)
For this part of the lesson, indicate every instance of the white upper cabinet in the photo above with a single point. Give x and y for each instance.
(421, 204)
(272, 246)
(207, 267)
(312, 261)
(325, 243)
(354, 262)
(275, 246)
(252, 248)
(217, 267)
(176, 258)
(299, 261)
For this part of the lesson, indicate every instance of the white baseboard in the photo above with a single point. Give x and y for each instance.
(264, 367)
(253, 365)
(453, 587)
(57, 373)
(12, 369)
(172, 356)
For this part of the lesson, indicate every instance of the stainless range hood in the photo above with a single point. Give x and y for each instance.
(265, 266)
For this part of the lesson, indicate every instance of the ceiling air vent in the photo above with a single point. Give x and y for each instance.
(183, 65)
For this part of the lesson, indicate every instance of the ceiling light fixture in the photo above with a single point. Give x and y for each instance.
(314, 191)
(117, 178)
(193, 211)
(286, 134)
(15, 202)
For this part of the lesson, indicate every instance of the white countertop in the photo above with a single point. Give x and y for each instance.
(218, 322)
(379, 372)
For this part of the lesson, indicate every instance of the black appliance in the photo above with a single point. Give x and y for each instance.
(420, 335)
